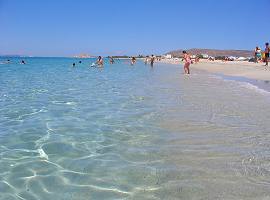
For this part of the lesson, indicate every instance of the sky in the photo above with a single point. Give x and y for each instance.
(130, 27)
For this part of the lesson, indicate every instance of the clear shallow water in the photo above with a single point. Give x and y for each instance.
(127, 132)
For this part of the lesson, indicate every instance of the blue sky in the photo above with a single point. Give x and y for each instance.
(109, 27)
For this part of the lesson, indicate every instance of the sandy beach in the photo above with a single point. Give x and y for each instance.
(231, 68)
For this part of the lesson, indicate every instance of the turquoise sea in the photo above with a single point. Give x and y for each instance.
(130, 132)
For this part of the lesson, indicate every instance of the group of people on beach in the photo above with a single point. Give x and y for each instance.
(260, 55)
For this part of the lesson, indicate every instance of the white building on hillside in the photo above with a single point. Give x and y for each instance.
(168, 56)
(205, 56)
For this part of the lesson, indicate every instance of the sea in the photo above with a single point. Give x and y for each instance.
(130, 132)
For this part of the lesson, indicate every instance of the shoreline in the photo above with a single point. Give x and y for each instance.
(260, 85)
(245, 69)
(216, 68)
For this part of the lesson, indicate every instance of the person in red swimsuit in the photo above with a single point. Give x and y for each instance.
(187, 59)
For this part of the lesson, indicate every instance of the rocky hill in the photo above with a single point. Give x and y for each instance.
(214, 52)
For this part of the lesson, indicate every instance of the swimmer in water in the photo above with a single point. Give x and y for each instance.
(99, 61)
(111, 60)
(23, 62)
(7, 61)
(80, 61)
(73, 64)
(187, 59)
(133, 60)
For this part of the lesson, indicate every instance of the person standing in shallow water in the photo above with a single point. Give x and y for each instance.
(152, 60)
(111, 60)
(133, 60)
(187, 59)
(99, 61)
(146, 60)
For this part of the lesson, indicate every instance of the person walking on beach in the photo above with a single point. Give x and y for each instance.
(133, 60)
(99, 61)
(266, 53)
(187, 59)
(152, 60)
